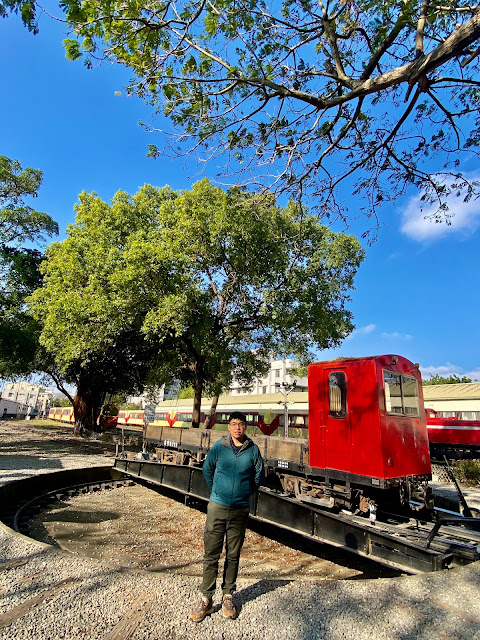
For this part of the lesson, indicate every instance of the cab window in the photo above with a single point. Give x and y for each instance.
(337, 394)
(401, 394)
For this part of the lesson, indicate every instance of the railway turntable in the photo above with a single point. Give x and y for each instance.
(360, 480)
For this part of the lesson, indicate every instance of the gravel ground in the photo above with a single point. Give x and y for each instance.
(100, 602)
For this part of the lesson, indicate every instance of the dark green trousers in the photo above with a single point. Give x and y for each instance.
(223, 524)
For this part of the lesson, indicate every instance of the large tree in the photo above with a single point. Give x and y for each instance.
(197, 286)
(20, 226)
(93, 342)
(303, 95)
(228, 278)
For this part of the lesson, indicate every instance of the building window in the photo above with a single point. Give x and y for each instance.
(264, 389)
(277, 373)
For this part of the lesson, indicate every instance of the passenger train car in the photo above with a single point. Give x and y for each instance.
(107, 419)
(453, 437)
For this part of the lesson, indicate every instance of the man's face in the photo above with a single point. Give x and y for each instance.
(237, 429)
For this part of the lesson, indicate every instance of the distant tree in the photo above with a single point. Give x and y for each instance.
(186, 392)
(453, 379)
(302, 95)
(19, 266)
(60, 402)
(131, 406)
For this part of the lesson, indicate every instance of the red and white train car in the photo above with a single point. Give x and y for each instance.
(453, 437)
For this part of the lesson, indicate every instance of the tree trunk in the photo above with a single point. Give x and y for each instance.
(87, 404)
(197, 398)
(211, 413)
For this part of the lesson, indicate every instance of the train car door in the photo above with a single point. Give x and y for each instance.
(338, 428)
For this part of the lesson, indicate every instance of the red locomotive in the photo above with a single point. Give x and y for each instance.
(367, 432)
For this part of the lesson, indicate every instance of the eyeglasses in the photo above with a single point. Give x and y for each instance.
(237, 424)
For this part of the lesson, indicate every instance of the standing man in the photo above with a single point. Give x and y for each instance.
(233, 470)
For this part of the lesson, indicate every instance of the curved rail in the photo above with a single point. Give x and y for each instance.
(16, 495)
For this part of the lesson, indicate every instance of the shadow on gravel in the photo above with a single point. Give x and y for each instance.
(80, 517)
(444, 606)
(33, 462)
(256, 590)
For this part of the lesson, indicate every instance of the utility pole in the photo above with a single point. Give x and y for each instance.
(286, 389)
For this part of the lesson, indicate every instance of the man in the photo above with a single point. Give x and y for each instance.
(233, 470)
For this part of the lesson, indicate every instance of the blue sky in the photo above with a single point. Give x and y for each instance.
(416, 292)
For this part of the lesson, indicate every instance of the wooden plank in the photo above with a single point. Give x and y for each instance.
(173, 434)
(22, 609)
(456, 611)
(286, 448)
(193, 437)
(134, 616)
(153, 432)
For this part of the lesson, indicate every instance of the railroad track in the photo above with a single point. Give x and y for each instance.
(409, 545)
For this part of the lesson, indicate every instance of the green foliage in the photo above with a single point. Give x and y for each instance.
(187, 392)
(227, 278)
(131, 406)
(20, 223)
(60, 402)
(310, 95)
(197, 286)
(453, 379)
(468, 471)
(19, 266)
(86, 327)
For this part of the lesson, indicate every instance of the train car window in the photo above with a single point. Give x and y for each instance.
(401, 394)
(410, 396)
(184, 417)
(393, 392)
(337, 394)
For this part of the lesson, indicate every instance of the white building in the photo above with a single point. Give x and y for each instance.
(151, 399)
(31, 399)
(272, 383)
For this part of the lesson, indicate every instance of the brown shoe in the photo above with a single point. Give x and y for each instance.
(228, 608)
(203, 608)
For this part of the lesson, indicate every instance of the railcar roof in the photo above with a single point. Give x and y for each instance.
(258, 400)
(451, 391)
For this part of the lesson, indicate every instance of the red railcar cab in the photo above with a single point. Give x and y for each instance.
(366, 418)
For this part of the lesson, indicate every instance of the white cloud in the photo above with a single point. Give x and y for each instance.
(417, 225)
(396, 336)
(473, 375)
(445, 370)
(362, 331)
(450, 369)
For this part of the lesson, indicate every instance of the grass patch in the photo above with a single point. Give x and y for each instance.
(467, 471)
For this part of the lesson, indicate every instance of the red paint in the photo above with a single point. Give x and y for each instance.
(451, 431)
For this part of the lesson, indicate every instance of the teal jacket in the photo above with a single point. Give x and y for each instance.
(233, 478)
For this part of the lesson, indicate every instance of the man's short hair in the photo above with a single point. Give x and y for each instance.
(238, 415)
